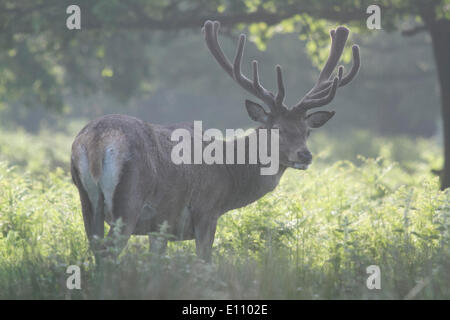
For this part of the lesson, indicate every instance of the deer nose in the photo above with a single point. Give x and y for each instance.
(305, 156)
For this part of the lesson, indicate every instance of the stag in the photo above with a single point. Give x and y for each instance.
(122, 167)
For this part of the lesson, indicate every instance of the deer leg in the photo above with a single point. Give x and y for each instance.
(126, 214)
(205, 231)
(93, 216)
(98, 228)
(127, 205)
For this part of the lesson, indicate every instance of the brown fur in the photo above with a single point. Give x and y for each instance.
(150, 182)
(123, 169)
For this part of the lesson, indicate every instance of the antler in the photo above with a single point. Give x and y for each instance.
(321, 94)
(325, 88)
(275, 103)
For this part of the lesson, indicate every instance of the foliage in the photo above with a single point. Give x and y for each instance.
(364, 201)
(194, 87)
(312, 238)
(42, 61)
(48, 66)
(31, 154)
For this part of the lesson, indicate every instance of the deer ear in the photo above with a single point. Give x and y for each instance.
(319, 118)
(256, 112)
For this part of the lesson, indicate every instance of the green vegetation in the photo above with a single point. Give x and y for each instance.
(312, 238)
(367, 200)
(44, 65)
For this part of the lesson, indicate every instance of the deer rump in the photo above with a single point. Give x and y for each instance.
(112, 186)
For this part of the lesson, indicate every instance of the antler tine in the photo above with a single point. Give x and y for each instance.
(338, 39)
(256, 84)
(328, 85)
(319, 102)
(323, 91)
(211, 30)
(238, 76)
(281, 92)
(355, 67)
(234, 70)
(340, 72)
(254, 87)
(343, 80)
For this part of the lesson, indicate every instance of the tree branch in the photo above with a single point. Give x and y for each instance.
(189, 19)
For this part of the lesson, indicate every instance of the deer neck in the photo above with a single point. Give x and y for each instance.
(248, 184)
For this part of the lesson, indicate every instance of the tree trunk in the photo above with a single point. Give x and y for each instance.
(440, 34)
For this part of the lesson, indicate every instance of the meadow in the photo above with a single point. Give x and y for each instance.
(364, 201)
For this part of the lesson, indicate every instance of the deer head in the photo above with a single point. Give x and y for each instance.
(294, 124)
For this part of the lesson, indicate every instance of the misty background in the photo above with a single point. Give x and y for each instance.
(396, 91)
(376, 193)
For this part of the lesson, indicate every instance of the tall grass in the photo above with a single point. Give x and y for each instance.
(312, 238)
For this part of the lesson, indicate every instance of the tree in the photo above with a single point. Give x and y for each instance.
(37, 41)
(434, 16)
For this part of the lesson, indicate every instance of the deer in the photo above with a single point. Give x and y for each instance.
(122, 168)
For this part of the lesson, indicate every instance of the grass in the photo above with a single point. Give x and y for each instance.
(312, 238)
